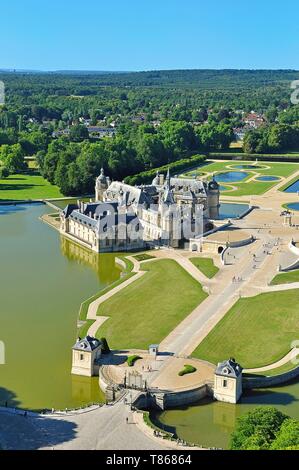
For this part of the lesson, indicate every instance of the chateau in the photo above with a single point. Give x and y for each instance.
(168, 212)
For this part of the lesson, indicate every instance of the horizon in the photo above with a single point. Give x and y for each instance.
(95, 71)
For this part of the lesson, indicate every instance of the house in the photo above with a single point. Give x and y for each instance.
(86, 355)
(254, 120)
(228, 381)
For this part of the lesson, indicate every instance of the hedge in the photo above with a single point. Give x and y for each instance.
(146, 177)
(132, 359)
(187, 370)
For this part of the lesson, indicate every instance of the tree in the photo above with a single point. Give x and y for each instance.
(78, 133)
(178, 138)
(150, 151)
(4, 172)
(257, 429)
(288, 435)
(13, 158)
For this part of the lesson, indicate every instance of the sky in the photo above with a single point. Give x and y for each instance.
(125, 35)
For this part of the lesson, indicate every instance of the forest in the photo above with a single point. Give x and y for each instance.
(159, 117)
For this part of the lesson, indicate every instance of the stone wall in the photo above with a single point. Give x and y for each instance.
(250, 383)
(166, 400)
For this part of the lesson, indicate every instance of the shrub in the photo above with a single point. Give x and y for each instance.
(187, 370)
(132, 359)
(143, 257)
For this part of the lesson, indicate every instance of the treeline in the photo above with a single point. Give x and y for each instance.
(174, 94)
(73, 166)
(275, 138)
(146, 177)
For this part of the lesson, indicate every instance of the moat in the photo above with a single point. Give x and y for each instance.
(44, 280)
(211, 423)
(58, 274)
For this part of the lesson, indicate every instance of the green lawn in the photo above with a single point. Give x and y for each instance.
(257, 331)
(286, 278)
(27, 186)
(251, 188)
(206, 266)
(146, 311)
(279, 370)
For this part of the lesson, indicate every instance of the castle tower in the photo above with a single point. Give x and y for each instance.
(168, 214)
(86, 352)
(228, 381)
(102, 184)
(213, 199)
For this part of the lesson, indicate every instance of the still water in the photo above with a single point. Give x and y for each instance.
(232, 211)
(293, 188)
(294, 206)
(211, 423)
(43, 280)
(267, 178)
(231, 176)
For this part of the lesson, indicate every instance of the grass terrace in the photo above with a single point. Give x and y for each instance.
(27, 186)
(257, 331)
(147, 310)
(286, 278)
(206, 266)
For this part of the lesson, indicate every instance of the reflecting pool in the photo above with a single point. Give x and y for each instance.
(231, 176)
(293, 188)
(294, 206)
(44, 278)
(232, 211)
(267, 178)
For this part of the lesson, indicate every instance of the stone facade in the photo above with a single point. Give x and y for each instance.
(168, 212)
(86, 354)
(228, 382)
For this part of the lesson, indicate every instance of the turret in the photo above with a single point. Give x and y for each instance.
(102, 184)
(213, 198)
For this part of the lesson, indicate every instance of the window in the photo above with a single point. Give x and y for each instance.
(81, 357)
(224, 383)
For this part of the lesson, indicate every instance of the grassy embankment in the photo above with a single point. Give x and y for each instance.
(147, 310)
(206, 266)
(257, 331)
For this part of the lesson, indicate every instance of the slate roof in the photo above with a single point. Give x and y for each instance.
(229, 368)
(88, 344)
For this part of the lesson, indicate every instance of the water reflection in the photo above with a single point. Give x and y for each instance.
(43, 282)
(86, 390)
(211, 423)
(103, 264)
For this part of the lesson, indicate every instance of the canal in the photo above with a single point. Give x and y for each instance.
(43, 280)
